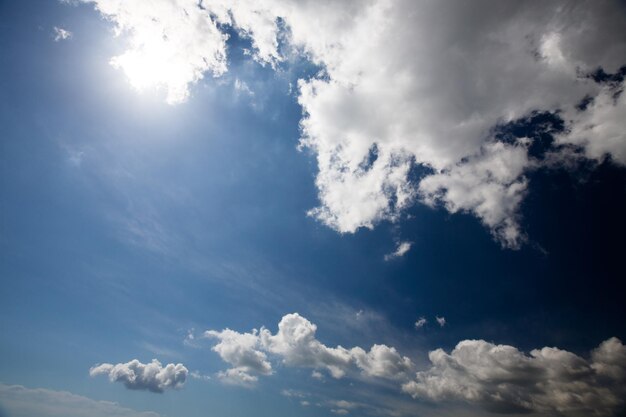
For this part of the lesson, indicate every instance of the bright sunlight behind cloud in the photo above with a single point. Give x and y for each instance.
(386, 105)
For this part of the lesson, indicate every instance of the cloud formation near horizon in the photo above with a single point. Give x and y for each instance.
(152, 376)
(499, 378)
(19, 401)
(408, 84)
(503, 379)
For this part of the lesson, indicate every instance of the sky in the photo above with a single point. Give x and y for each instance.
(312, 208)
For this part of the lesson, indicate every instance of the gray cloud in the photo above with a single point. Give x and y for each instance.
(549, 381)
(138, 376)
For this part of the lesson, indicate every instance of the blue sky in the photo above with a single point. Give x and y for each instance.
(341, 186)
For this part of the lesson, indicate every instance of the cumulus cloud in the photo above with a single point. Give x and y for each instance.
(138, 376)
(19, 401)
(296, 345)
(401, 250)
(441, 321)
(242, 350)
(499, 378)
(406, 84)
(503, 379)
(61, 34)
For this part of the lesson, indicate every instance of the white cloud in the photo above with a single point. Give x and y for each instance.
(242, 350)
(61, 34)
(503, 379)
(19, 401)
(238, 376)
(441, 321)
(199, 376)
(243, 88)
(295, 342)
(401, 250)
(171, 44)
(600, 128)
(382, 362)
(138, 376)
(490, 185)
(498, 378)
(296, 345)
(421, 322)
(405, 83)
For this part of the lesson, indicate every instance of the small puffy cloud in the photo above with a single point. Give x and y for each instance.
(344, 404)
(339, 411)
(503, 379)
(292, 393)
(317, 375)
(61, 34)
(421, 322)
(138, 376)
(19, 401)
(401, 250)
(441, 321)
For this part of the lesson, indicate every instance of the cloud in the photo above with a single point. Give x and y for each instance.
(296, 345)
(138, 376)
(407, 86)
(401, 250)
(199, 376)
(499, 378)
(19, 401)
(489, 185)
(503, 379)
(603, 118)
(170, 44)
(421, 322)
(441, 321)
(242, 351)
(61, 34)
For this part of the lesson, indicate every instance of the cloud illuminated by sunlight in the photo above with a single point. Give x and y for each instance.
(171, 45)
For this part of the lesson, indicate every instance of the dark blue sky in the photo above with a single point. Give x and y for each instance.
(126, 222)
